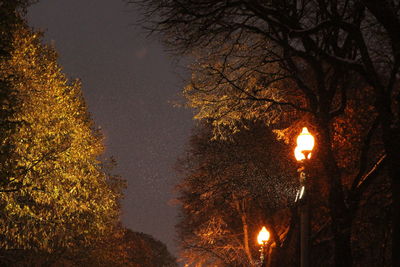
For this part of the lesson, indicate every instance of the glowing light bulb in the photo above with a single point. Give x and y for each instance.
(263, 236)
(305, 143)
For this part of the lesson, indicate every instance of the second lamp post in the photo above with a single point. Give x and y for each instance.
(302, 152)
(262, 239)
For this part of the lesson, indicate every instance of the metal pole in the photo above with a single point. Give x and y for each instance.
(305, 233)
(304, 222)
(263, 256)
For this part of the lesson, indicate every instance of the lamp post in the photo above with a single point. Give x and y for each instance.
(305, 145)
(262, 238)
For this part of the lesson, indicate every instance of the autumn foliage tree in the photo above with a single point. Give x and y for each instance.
(59, 198)
(55, 196)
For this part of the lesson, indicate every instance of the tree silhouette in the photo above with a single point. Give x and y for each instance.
(286, 62)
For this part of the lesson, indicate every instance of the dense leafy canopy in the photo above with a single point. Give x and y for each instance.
(61, 195)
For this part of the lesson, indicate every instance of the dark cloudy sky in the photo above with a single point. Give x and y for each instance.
(128, 82)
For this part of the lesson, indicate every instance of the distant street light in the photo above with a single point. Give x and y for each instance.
(305, 145)
(262, 238)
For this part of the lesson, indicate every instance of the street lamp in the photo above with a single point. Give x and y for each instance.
(305, 144)
(262, 238)
(302, 153)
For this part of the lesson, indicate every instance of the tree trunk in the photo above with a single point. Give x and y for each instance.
(388, 18)
(391, 141)
(240, 207)
(395, 175)
(341, 221)
(246, 238)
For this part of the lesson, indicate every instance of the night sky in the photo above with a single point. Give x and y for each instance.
(129, 83)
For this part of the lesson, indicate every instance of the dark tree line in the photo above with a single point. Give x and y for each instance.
(330, 65)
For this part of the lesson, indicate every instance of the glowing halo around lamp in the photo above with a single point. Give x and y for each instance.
(305, 144)
(263, 236)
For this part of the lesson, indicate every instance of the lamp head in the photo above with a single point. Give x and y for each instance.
(263, 236)
(305, 144)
